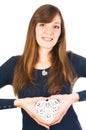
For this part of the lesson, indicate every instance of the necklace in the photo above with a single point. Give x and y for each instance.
(44, 72)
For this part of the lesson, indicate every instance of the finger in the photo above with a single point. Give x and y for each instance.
(39, 98)
(55, 121)
(41, 122)
(59, 116)
(55, 97)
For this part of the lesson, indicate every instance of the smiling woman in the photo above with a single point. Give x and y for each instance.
(45, 70)
(48, 33)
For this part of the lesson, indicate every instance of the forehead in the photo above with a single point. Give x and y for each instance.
(57, 19)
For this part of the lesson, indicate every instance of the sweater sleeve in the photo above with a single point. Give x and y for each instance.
(79, 65)
(82, 95)
(7, 103)
(6, 77)
(7, 71)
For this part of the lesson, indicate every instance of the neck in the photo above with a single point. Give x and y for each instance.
(44, 55)
(43, 60)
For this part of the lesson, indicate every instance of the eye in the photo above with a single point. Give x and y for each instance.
(57, 26)
(42, 24)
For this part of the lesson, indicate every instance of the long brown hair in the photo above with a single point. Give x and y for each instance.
(60, 69)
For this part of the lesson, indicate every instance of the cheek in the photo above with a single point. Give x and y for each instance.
(57, 34)
(39, 31)
(38, 36)
(56, 37)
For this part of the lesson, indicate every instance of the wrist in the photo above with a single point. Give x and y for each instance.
(75, 97)
(17, 102)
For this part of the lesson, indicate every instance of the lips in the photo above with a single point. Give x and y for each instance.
(47, 38)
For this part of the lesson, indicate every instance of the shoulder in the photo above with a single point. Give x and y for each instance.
(13, 59)
(78, 63)
(11, 62)
(73, 57)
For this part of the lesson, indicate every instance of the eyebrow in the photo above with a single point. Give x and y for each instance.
(57, 22)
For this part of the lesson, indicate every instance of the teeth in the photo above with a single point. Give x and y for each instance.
(47, 39)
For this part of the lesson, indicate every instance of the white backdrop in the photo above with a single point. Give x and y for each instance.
(14, 20)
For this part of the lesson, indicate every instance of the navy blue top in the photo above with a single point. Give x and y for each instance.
(70, 120)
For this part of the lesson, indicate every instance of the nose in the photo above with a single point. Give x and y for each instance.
(49, 31)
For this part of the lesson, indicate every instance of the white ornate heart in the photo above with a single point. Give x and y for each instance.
(47, 109)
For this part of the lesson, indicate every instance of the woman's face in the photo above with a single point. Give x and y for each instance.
(47, 34)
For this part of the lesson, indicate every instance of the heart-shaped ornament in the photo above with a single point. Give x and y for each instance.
(47, 109)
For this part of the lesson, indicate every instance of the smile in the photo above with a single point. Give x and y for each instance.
(47, 38)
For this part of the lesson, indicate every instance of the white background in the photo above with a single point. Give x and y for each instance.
(14, 20)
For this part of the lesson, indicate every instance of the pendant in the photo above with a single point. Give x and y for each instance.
(44, 73)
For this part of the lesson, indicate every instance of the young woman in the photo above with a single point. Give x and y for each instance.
(45, 70)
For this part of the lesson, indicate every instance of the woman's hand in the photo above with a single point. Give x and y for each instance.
(66, 101)
(28, 104)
